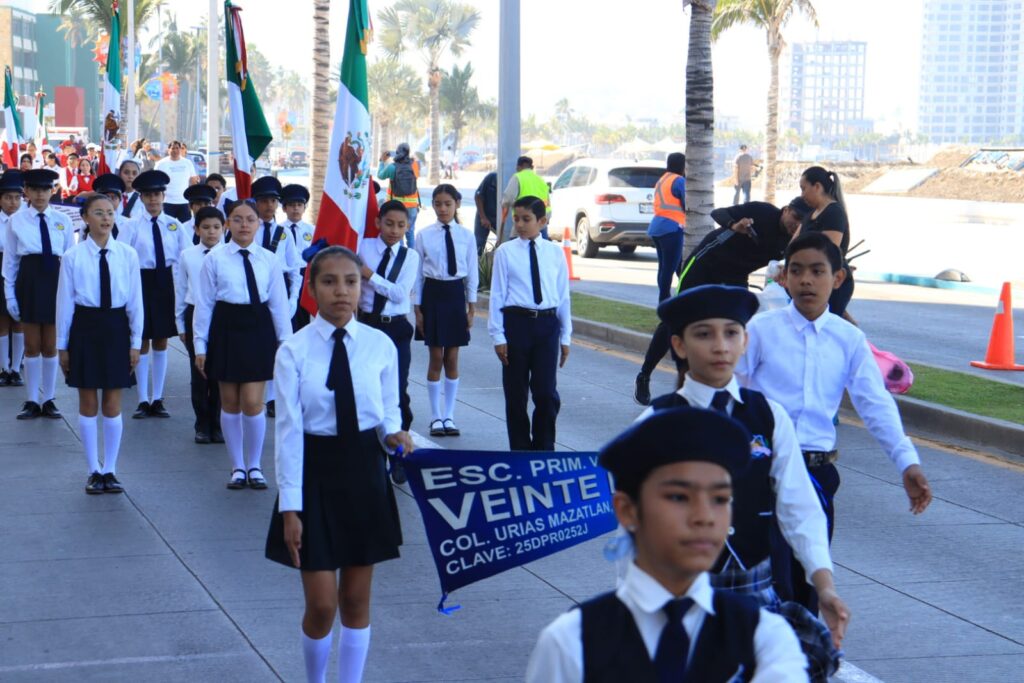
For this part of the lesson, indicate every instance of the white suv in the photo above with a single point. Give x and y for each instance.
(605, 202)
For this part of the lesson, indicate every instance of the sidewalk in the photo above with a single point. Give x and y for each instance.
(168, 582)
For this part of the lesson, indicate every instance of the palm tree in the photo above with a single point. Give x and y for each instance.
(396, 95)
(434, 28)
(319, 145)
(99, 12)
(460, 100)
(700, 126)
(772, 16)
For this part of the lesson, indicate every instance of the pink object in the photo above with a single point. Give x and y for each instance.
(897, 374)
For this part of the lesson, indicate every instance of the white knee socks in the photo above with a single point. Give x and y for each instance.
(87, 430)
(112, 428)
(254, 428)
(231, 427)
(316, 651)
(159, 373)
(451, 390)
(142, 378)
(353, 647)
(17, 350)
(270, 395)
(434, 392)
(50, 366)
(5, 354)
(33, 371)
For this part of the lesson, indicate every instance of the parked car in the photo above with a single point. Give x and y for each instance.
(604, 202)
(198, 160)
(297, 159)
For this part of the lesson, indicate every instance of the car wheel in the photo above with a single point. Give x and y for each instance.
(627, 249)
(585, 246)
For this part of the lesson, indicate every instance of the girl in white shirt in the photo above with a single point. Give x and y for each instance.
(99, 334)
(12, 349)
(336, 509)
(241, 315)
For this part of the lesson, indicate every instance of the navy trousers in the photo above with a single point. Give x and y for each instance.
(400, 331)
(827, 479)
(205, 394)
(533, 352)
(670, 256)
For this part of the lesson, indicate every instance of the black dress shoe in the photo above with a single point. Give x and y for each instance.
(30, 410)
(398, 475)
(111, 484)
(50, 410)
(5, 378)
(642, 392)
(217, 436)
(156, 409)
(14, 379)
(271, 409)
(142, 412)
(95, 484)
(203, 437)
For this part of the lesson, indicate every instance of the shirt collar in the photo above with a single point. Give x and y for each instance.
(699, 395)
(326, 329)
(800, 322)
(650, 596)
(95, 248)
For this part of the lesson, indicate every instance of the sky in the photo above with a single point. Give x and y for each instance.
(616, 60)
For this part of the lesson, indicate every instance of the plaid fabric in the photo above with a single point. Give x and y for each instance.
(814, 636)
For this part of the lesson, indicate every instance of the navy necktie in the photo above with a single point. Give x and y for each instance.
(339, 380)
(535, 273)
(44, 239)
(295, 235)
(158, 245)
(720, 401)
(266, 235)
(379, 300)
(449, 245)
(250, 278)
(105, 296)
(674, 643)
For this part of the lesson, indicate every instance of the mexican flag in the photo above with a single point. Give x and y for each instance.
(250, 133)
(12, 124)
(348, 208)
(41, 137)
(110, 113)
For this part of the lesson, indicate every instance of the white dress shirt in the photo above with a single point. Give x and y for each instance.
(171, 232)
(222, 278)
(138, 208)
(23, 239)
(125, 229)
(302, 235)
(5, 226)
(79, 284)
(805, 366)
(512, 284)
(558, 656)
(306, 405)
(800, 517)
(430, 243)
(399, 292)
(186, 279)
(288, 255)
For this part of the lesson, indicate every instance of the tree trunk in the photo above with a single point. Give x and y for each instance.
(771, 133)
(434, 81)
(320, 124)
(700, 127)
(385, 137)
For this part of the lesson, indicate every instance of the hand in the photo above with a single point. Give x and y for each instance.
(182, 337)
(403, 439)
(486, 222)
(293, 535)
(65, 362)
(133, 357)
(470, 314)
(835, 613)
(917, 488)
(742, 226)
(201, 364)
(565, 355)
(419, 321)
(367, 273)
(502, 351)
(12, 310)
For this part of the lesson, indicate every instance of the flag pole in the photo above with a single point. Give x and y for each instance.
(508, 98)
(133, 115)
(213, 92)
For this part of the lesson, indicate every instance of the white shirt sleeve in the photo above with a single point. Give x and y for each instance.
(565, 307)
(392, 421)
(472, 269)
(294, 261)
(779, 659)
(65, 301)
(558, 655)
(499, 289)
(205, 295)
(747, 365)
(800, 517)
(180, 290)
(279, 307)
(288, 430)
(417, 294)
(134, 305)
(10, 268)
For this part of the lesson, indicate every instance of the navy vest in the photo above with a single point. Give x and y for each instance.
(753, 508)
(614, 651)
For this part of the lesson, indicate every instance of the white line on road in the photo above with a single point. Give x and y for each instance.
(848, 673)
(54, 666)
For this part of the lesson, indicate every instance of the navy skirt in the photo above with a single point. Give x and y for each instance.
(158, 304)
(444, 313)
(349, 514)
(98, 349)
(36, 289)
(241, 344)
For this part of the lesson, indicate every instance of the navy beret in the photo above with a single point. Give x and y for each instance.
(199, 193)
(267, 186)
(294, 193)
(12, 181)
(109, 182)
(39, 177)
(151, 181)
(705, 302)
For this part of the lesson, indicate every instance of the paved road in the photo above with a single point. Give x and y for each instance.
(168, 582)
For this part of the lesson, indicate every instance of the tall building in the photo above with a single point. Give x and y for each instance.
(18, 50)
(825, 100)
(972, 71)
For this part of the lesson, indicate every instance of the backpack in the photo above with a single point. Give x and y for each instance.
(403, 184)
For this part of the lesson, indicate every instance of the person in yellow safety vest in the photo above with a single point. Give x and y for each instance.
(666, 228)
(403, 172)
(525, 183)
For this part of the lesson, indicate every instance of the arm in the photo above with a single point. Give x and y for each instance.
(279, 306)
(777, 651)
(65, 301)
(68, 232)
(205, 297)
(134, 305)
(499, 289)
(679, 191)
(564, 307)
(480, 213)
(10, 269)
(472, 269)
(749, 362)
(180, 290)
(288, 444)
(392, 422)
(385, 171)
(417, 294)
(724, 216)
(294, 260)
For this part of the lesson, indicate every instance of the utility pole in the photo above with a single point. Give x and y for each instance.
(160, 62)
(509, 120)
(195, 93)
(213, 91)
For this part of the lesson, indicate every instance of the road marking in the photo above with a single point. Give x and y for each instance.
(848, 673)
(422, 441)
(54, 666)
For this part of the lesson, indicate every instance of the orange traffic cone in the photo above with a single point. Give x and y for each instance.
(1000, 344)
(567, 248)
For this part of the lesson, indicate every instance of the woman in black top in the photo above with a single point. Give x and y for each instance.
(823, 193)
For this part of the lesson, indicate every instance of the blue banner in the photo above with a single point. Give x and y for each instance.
(486, 512)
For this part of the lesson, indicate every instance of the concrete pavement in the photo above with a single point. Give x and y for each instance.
(168, 582)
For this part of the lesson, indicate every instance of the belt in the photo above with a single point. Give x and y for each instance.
(377, 319)
(819, 458)
(530, 312)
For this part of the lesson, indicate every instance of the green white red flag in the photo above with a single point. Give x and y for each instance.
(12, 124)
(41, 137)
(250, 134)
(110, 112)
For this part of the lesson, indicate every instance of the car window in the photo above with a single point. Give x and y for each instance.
(634, 176)
(583, 176)
(563, 180)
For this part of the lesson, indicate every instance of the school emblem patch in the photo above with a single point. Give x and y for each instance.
(172, 227)
(759, 447)
(60, 226)
(307, 237)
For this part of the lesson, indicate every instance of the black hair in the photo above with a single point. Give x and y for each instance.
(24, 156)
(129, 161)
(524, 161)
(230, 207)
(393, 205)
(74, 154)
(534, 204)
(334, 251)
(218, 177)
(676, 163)
(829, 182)
(818, 242)
(448, 189)
(208, 212)
(91, 199)
(51, 155)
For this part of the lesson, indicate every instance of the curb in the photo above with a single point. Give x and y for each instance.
(930, 282)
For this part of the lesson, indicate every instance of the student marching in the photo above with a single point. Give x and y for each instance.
(12, 339)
